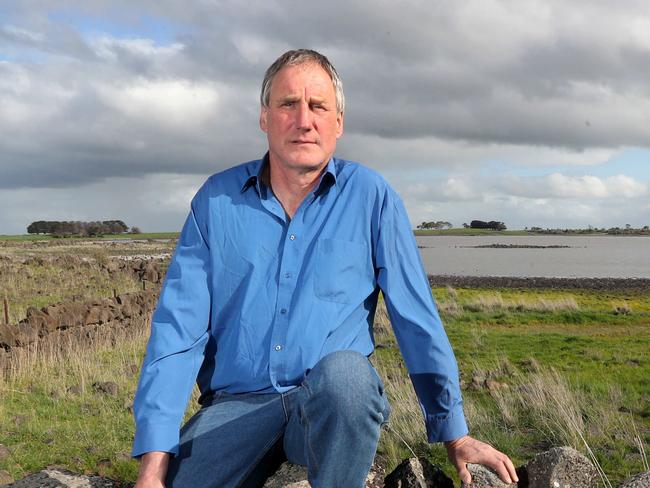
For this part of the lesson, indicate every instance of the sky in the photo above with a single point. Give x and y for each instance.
(530, 112)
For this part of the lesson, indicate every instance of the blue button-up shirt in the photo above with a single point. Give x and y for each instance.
(252, 299)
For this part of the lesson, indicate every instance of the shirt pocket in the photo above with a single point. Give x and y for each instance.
(342, 270)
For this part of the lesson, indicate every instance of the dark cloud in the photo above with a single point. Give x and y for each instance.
(174, 90)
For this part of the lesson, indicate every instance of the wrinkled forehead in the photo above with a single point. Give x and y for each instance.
(308, 76)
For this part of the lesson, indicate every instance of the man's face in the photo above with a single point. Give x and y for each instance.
(301, 122)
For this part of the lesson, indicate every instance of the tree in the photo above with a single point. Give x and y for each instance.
(492, 224)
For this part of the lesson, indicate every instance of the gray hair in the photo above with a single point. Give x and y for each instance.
(294, 58)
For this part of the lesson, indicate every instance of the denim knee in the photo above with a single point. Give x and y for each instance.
(347, 381)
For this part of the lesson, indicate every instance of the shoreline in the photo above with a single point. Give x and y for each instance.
(596, 284)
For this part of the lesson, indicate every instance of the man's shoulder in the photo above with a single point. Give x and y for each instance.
(359, 176)
(235, 175)
(228, 180)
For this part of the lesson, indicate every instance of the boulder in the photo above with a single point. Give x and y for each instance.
(295, 476)
(8, 336)
(5, 477)
(60, 478)
(417, 473)
(561, 467)
(4, 452)
(106, 387)
(483, 477)
(641, 480)
(288, 476)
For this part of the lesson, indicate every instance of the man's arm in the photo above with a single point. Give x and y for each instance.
(153, 469)
(179, 332)
(424, 343)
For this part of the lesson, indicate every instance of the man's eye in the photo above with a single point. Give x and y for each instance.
(287, 104)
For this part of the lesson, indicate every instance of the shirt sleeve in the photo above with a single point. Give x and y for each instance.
(179, 332)
(414, 317)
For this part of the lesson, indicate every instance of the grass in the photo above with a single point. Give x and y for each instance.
(50, 413)
(539, 368)
(563, 369)
(470, 232)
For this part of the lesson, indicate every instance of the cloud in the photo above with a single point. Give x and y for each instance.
(98, 91)
(557, 185)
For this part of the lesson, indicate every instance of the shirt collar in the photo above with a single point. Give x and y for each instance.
(327, 179)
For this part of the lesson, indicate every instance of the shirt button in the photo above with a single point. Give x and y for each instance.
(283, 311)
(278, 347)
(287, 275)
(292, 237)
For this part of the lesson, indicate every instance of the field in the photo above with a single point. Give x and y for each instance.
(539, 368)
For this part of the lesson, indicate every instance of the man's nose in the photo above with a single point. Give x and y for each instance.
(304, 117)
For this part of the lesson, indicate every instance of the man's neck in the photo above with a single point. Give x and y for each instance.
(291, 187)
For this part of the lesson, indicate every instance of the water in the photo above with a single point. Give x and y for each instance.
(586, 256)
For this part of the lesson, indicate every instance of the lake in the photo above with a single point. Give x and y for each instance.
(583, 256)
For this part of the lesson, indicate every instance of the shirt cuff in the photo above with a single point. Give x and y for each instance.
(155, 437)
(448, 427)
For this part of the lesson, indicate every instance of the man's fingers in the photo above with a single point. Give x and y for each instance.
(463, 474)
(511, 470)
(506, 470)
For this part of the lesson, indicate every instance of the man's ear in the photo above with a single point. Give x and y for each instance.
(263, 118)
(339, 125)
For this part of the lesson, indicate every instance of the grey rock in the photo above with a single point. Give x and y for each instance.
(641, 480)
(295, 476)
(5, 477)
(561, 467)
(106, 387)
(4, 452)
(483, 477)
(60, 478)
(417, 473)
(288, 476)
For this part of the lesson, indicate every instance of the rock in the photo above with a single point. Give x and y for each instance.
(106, 387)
(561, 467)
(74, 390)
(483, 477)
(288, 476)
(5, 477)
(151, 272)
(417, 473)
(641, 480)
(295, 476)
(4, 452)
(60, 478)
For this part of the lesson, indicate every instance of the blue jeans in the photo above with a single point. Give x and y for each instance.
(330, 423)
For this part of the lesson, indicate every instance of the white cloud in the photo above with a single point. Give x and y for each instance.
(446, 102)
(180, 104)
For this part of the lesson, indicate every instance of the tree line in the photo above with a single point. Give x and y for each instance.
(492, 224)
(77, 228)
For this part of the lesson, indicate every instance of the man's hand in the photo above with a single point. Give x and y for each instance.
(153, 468)
(469, 450)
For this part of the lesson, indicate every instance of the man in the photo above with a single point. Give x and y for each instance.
(269, 303)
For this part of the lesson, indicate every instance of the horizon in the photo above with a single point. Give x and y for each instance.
(534, 113)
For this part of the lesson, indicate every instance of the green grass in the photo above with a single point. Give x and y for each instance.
(572, 345)
(573, 367)
(470, 232)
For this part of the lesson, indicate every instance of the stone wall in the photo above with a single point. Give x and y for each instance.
(76, 315)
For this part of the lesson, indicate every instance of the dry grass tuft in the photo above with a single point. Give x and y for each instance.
(494, 302)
